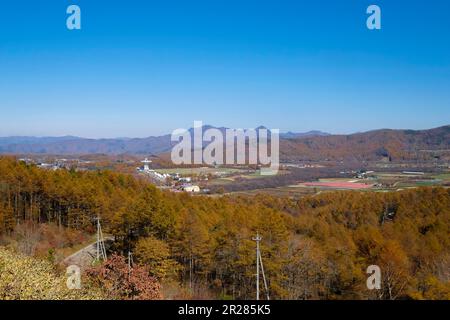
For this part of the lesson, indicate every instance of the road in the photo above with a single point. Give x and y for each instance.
(84, 257)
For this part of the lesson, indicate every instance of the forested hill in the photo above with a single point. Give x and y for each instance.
(315, 145)
(316, 247)
(372, 145)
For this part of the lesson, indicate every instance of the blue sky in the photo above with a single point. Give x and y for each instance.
(140, 68)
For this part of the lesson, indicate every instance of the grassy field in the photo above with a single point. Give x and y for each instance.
(200, 171)
(279, 192)
(423, 183)
(444, 177)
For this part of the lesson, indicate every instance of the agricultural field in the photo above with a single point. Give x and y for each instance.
(444, 177)
(375, 182)
(287, 191)
(240, 176)
(201, 171)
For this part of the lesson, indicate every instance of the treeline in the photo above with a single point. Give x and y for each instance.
(284, 179)
(317, 247)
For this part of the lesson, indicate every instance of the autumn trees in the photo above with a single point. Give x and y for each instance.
(315, 247)
(67, 198)
(6, 218)
(122, 281)
(405, 246)
(156, 255)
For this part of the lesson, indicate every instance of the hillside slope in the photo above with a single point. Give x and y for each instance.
(372, 145)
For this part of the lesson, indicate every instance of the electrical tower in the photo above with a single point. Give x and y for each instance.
(259, 264)
(101, 250)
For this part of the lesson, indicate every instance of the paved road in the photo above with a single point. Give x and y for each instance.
(84, 257)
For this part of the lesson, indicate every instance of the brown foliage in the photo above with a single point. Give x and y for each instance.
(121, 282)
(316, 247)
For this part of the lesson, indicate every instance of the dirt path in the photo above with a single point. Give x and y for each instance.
(84, 257)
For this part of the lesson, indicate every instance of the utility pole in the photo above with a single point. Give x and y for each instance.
(101, 250)
(259, 264)
(98, 239)
(264, 277)
(257, 239)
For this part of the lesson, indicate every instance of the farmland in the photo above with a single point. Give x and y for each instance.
(375, 182)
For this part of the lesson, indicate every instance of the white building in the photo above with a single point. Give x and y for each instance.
(190, 188)
(146, 163)
(152, 173)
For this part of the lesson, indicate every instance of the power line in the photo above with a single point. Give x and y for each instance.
(259, 264)
(257, 239)
(264, 277)
(101, 250)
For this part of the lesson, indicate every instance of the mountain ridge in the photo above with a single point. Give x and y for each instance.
(69, 144)
(387, 144)
(311, 145)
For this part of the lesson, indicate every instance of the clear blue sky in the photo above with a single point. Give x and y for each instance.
(140, 68)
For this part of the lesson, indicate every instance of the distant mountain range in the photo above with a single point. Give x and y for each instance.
(383, 144)
(295, 135)
(76, 145)
(312, 145)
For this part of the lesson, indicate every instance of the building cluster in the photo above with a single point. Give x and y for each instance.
(54, 164)
(152, 173)
(179, 183)
(363, 174)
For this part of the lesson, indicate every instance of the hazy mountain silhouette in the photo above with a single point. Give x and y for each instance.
(312, 145)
